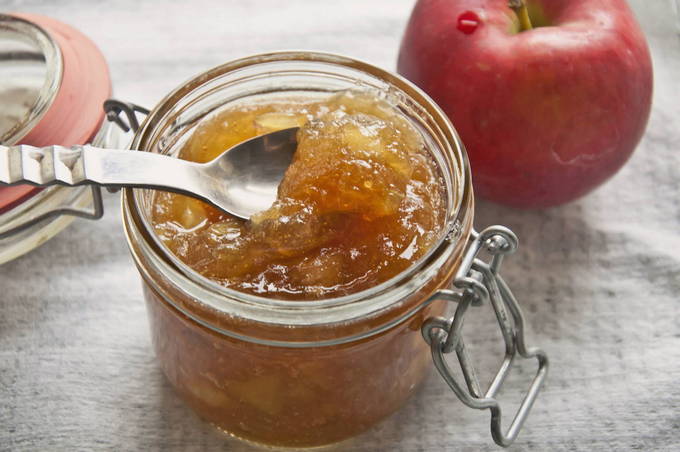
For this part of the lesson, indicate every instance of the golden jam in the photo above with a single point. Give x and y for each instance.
(360, 203)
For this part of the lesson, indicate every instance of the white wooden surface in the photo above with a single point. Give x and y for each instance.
(598, 279)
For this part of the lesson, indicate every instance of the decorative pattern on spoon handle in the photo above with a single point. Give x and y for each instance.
(49, 165)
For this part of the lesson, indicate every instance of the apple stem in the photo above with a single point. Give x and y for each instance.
(520, 8)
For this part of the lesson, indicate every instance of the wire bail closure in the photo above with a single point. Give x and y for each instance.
(477, 282)
(113, 109)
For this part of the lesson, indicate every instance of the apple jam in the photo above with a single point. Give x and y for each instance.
(361, 201)
(290, 397)
(367, 195)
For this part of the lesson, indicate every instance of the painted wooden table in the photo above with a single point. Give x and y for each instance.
(598, 279)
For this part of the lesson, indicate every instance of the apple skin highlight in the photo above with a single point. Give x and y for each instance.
(546, 114)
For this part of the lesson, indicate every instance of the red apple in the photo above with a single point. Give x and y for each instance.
(546, 114)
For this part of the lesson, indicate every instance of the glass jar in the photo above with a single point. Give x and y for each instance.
(309, 373)
(48, 99)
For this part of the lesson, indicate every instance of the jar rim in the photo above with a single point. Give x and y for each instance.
(289, 311)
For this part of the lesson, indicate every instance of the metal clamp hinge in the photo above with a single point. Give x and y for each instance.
(477, 282)
(114, 108)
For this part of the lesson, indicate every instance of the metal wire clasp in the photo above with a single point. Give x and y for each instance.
(114, 108)
(476, 282)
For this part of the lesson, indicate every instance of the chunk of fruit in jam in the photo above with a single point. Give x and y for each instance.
(271, 122)
(361, 201)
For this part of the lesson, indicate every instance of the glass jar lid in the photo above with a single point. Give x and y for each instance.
(30, 75)
(53, 81)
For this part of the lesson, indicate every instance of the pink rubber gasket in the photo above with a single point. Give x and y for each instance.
(76, 112)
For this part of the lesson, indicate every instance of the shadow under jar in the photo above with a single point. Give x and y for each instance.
(285, 372)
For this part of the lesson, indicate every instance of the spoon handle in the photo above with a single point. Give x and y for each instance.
(79, 165)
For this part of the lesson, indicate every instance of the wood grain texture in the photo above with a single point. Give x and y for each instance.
(598, 279)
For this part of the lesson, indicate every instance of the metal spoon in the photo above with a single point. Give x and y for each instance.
(242, 181)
